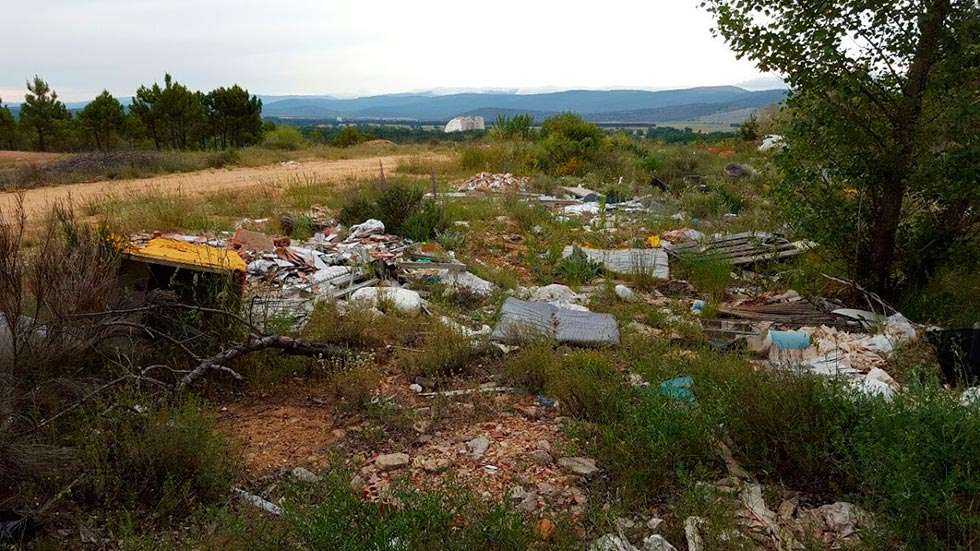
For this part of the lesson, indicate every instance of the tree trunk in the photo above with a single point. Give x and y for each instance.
(888, 210)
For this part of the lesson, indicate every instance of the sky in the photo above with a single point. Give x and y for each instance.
(366, 47)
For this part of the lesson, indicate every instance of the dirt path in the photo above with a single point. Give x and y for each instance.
(38, 201)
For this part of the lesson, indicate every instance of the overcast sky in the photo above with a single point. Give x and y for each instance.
(350, 48)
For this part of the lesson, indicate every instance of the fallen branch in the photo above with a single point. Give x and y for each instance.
(289, 345)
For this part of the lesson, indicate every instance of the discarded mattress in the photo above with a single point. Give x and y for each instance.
(179, 254)
(627, 261)
(521, 320)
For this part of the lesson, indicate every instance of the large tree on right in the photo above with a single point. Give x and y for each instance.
(882, 125)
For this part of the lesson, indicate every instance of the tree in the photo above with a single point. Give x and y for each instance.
(42, 111)
(882, 127)
(348, 136)
(173, 116)
(8, 128)
(748, 131)
(103, 118)
(234, 117)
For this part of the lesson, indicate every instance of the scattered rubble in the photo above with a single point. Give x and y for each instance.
(494, 183)
(520, 320)
(627, 261)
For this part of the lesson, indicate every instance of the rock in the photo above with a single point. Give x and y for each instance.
(545, 529)
(735, 170)
(517, 493)
(478, 446)
(434, 464)
(692, 531)
(391, 461)
(654, 523)
(548, 489)
(625, 293)
(415, 387)
(582, 466)
(612, 542)
(841, 518)
(540, 457)
(304, 475)
(624, 524)
(543, 445)
(529, 504)
(403, 300)
(657, 542)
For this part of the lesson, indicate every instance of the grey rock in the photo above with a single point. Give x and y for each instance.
(304, 475)
(612, 542)
(582, 466)
(657, 542)
(391, 461)
(478, 446)
(540, 457)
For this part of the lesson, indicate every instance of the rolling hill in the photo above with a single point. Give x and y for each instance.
(630, 106)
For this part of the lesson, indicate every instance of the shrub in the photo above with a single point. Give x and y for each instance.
(393, 204)
(349, 136)
(577, 269)
(425, 223)
(223, 158)
(708, 273)
(284, 137)
(444, 352)
(166, 460)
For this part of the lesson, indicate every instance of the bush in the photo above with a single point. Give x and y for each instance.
(393, 204)
(165, 460)
(577, 269)
(284, 137)
(223, 158)
(444, 352)
(710, 274)
(425, 223)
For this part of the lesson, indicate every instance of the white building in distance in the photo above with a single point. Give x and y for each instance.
(461, 124)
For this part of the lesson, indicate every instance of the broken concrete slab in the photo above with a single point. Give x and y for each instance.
(627, 261)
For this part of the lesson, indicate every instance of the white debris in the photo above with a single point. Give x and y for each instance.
(625, 293)
(612, 542)
(627, 261)
(468, 281)
(366, 228)
(466, 331)
(403, 300)
(257, 501)
(559, 295)
(772, 142)
(970, 397)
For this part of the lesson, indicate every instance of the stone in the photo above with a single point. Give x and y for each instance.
(657, 542)
(540, 457)
(548, 489)
(433, 464)
(529, 504)
(415, 387)
(612, 542)
(545, 529)
(478, 446)
(543, 445)
(304, 475)
(625, 293)
(517, 493)
(582, 466)
(391, 461)
(654, 523)
(624, 524)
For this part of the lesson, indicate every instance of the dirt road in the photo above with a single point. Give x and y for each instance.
(38, 201)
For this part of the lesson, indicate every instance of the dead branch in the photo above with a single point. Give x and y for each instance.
(288, 345)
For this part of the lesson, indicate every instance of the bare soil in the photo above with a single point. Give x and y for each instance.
(38, 201)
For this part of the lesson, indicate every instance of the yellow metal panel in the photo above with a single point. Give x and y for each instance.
(170, 251)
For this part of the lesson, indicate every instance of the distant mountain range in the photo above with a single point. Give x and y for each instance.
(626, 106)
(723, 104)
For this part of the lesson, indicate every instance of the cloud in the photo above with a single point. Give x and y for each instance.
(350, 47)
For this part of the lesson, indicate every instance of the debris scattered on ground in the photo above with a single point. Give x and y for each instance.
(258, 502)
(494, 183)
(742, 249)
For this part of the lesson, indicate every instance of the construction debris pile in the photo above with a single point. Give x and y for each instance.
(494, 183)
